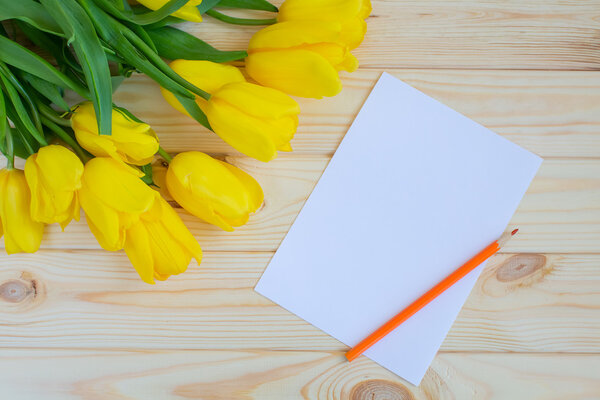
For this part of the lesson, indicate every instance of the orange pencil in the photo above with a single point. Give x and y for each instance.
(429, 296)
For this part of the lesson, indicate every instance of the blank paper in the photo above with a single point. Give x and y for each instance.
(414, 190)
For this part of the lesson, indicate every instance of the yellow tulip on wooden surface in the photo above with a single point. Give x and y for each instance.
(54, 176)
(253, 119)
(21, 232)
(130, 141)
(350, 13)
(213, 190)
(301, 58)
(125, 213)
(189, 12)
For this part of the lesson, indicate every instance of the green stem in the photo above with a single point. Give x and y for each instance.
(15, 82)
(52, 116)
(164, 154)
(81, 153)
(161, 65)
(10, 150)
(240, 21)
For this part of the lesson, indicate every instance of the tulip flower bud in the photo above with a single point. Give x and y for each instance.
(350, 13)
(21, 232)
(124, 213)
(213, 190)
(254, 120)
(301, 58)
(189, 12)
(54, 176)
(133, 142)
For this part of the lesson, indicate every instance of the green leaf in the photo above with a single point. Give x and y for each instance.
(240, 21)
(24, 59)
(207, 5)
(147, 178)
(249, 5)
(173, 43)
(31, 12)
(146, 18)
(116, 82)
(3, 123)
(18, 113)
(23, 146)
(113, 32)
(76, 24)
(195, 112)
(142, 34)
(170, 20)
(128, 114)
(26, 94)
(47, 89)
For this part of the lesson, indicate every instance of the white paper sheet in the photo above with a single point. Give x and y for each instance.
(414, 190)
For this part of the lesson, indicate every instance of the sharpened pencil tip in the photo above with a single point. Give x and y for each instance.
(514, 232)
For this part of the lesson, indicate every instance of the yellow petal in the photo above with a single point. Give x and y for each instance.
(118, 185)
(350, 63)
(137, 248)
(194, 191)
(243, 132)
(172, 243)
(252, 188)
(54, 175)
(21, 233)
(213, 190)
(319, 9)
(285, 35)
(207, 75)
(131, 141)
(365, 9)
(100, 146)
(297, 72)
(102, 220)
(258, 101)
(353, 32)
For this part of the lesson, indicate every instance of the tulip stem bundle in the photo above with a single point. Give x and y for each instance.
(93, 155)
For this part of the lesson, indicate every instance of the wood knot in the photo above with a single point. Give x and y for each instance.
(377, 389)
(17, 290)
(519, 266)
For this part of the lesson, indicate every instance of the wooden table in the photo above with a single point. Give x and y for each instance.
(76, 321)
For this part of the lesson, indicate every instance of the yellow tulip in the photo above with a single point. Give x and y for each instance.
(21, 232)
(125, 213)
(253, 119)
(301, 58)
(350, 13)
(131, 141)
(54, 176)
(189, 12)
(213, 190)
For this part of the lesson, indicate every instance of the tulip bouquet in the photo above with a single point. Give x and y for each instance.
(99, 157)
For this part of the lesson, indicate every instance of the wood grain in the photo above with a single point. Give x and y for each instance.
(76, 322)
(552, 113)
(524, 302)
(559, 214)
(494, 34)
(263, 375)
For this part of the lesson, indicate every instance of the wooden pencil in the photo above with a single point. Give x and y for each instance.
(429, 296)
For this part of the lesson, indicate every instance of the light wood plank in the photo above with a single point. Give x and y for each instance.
(525, 302)
(554, 114)
(559, 214)
(511, 34)
(264, 375)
